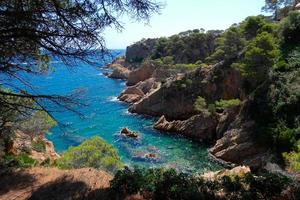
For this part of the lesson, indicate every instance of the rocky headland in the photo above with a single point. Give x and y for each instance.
(170, 94)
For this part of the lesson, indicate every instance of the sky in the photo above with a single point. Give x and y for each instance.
(182, 15)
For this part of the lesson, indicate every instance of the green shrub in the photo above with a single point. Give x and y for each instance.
(292, 159)
(290, 29)
(94, 152)
(159, 183)
(284, 137)
(200, 104)
(22, 160)
(212, 108)
(223, 104)
(169, 184)
(39, 145)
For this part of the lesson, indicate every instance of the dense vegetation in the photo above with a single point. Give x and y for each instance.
(168, 184)
(94, 152)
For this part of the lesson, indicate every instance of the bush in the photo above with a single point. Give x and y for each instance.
(94, 152)
(22, 160)
(159, 183)
(200, 104)
(292, 159)
(290, 29)
(168, 184)
(223, 104)
(39, 145)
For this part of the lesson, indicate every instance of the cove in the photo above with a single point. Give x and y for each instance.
(105, 116)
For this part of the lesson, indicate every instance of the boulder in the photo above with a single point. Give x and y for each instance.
(236, 171)
(200, 127)
(131, 95)
(131, 134)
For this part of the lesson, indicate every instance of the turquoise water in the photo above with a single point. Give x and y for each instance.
(104, 116)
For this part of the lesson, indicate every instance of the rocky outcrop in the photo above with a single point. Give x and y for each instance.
(120, 69)
(120, 72)
(143, 73)
(225, 119)
(133, 94)
(140, 50)
(200, 127)
(131, 134)
(236, 171)
(238, 144)
(18, 142)
(120, 61)
(175, 98)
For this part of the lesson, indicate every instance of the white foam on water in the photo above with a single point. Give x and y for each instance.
(113, 99)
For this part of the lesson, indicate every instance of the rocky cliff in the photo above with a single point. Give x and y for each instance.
(140, 50)
(175, 99)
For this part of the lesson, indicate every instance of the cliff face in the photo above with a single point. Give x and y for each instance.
(140, 50)
(237, 145)
(175, 99)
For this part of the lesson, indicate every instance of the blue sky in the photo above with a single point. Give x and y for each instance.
(182, 15)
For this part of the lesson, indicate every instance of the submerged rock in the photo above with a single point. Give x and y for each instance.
(146, 156)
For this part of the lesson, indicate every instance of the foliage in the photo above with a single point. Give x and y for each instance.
(38, 145)
(11, 109)
(223, 104)
(94, 152)
(186, 47)
(259, 58)
(255, 25)
(168, 62)
(39, 122)
(200, 104)
(293, 158)
(277, 7)
(168, 184)
(289, 31)
(228, 46)
(22, 160)
(160, 183)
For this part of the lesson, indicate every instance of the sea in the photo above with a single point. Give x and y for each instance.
(100, 113)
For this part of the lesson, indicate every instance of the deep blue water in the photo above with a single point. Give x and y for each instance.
(105, 116)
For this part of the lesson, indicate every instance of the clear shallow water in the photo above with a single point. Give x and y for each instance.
(105, 116)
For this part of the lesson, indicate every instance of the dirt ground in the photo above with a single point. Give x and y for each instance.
(50, 183)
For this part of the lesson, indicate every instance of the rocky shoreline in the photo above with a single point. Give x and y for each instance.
(170, 95)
